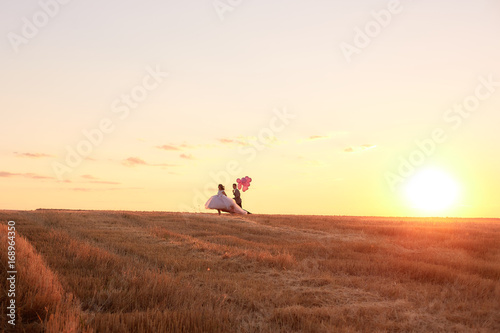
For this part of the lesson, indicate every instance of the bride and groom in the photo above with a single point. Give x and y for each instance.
(222, 202)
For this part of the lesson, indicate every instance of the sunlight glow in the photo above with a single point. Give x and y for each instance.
(432, 190)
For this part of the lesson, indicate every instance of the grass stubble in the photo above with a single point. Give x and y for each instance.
(114, 271)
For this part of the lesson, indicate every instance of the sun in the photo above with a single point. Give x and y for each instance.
(432, 191)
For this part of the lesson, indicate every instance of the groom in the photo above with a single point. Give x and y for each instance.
(237, 196)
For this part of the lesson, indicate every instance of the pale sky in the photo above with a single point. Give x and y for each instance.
(353, 118)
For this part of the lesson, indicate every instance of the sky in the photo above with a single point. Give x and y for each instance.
(373, 108)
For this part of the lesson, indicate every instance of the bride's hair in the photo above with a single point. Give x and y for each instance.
(221, 187)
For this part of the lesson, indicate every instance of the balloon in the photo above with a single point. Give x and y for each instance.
(244, 183)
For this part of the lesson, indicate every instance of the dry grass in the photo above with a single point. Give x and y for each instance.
(171, 272)
(42, 304)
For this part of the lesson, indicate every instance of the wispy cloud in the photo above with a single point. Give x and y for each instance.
(133, 161)
(221, 142)
(95, 180)
(136, 161)
(32, 155)
(169, 147)
(103, 182)
(80, 189)
(182, 146)
(7, 174)
(245, 141)
(88, 189)
(317, 137)
(239, 141)
(359, 148)
(187, 156)
(35, 176)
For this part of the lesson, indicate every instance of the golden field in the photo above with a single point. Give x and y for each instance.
(114, 271)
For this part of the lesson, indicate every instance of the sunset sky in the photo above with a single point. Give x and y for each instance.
(331, 107)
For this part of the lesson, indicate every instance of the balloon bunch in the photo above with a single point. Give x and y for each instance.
(244, 183)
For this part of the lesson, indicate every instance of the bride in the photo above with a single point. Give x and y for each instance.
(221, 202)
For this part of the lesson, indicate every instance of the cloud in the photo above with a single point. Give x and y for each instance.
(80, 189)
(317, 137)
(103, 182)
(183, 146)
(7, 174)
(187, 156)
(88, 189)
(188, 146)
(95, 180)
(313, 138)
(169, 147)
(360, 148)
(135, 161)
(226, 141)
(32, 155)
(240, 141)
(35, 176)
(328, 136)
(245, 141)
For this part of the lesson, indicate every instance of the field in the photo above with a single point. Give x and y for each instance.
(111, 271)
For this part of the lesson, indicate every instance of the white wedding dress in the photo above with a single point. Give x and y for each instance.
(222, 202)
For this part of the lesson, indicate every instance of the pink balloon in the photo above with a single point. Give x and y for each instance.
(244, 183)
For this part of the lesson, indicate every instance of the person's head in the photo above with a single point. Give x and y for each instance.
(221, 187)
(234, 186)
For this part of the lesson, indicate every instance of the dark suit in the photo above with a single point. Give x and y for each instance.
(237, 197)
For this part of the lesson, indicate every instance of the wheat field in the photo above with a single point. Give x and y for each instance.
(118, 271)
